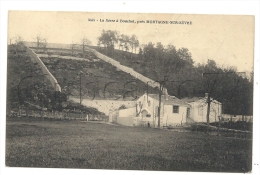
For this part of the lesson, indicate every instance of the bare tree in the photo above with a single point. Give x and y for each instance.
(126, 42)
(136, 44)
(41, 43)
(84, 43)
(18, 40)
(72, 46)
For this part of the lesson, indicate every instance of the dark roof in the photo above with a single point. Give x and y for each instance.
(171, 100)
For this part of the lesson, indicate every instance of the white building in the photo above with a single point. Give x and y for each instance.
(198, 109)
(173, 111)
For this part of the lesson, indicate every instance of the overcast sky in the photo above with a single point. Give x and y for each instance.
(227, 39)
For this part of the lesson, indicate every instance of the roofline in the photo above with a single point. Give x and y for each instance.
(178, 104)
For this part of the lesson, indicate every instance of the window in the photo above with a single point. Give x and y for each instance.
(149, 103)
(175, 109)
(188, 112)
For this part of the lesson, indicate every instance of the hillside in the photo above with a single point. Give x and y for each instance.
(98, 78)
(28, 88)
(132, 60)
(20, 66)
(185, 79)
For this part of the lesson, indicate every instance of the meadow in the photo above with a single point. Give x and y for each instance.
(36, 142)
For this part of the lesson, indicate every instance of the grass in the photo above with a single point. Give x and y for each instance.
(75, 144)
(100, 71)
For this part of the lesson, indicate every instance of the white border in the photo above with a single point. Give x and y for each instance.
(185, 7)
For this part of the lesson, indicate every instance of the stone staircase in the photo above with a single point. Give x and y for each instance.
(126, 69)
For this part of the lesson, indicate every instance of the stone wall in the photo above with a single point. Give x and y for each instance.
(45, 70)
(125, 69)
(105, 106)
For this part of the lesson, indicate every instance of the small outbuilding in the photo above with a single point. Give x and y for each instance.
(198, 109)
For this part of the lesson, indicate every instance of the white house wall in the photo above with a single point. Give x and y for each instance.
(167, 117)
(174, 119)
(215, 111)
(126, 116)
(129, 112)
(192, 110)
(150, 109)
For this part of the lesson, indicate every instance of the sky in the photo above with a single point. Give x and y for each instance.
(227, 39)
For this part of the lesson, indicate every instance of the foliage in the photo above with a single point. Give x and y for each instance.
(109, 39)
(154, 60)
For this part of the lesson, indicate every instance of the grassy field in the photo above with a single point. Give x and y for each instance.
(75, 144)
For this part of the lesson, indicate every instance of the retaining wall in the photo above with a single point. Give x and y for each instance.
(105, 106)
(45, 70)
(124, 68)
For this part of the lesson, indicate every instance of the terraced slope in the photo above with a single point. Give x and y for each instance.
(93, 77)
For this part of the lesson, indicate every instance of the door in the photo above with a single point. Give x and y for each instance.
(188, 113)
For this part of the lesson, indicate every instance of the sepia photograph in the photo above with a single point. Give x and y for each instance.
(129, 91)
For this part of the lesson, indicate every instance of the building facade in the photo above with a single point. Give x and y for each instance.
(198, 109)
(173, 111)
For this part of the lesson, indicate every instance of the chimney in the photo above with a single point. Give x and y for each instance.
(206, 95)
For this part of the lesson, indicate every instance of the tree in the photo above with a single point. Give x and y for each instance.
(140, 52)
(84, 42)
(18, 40)
(185, 55)
(159, 59)
(72, 46)
(149, 51)
(41, 42)
(121, 41)
(133, 42)
(229, 87)
(160, 52)
(136, 44)
(108, 39)
(126, 42)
